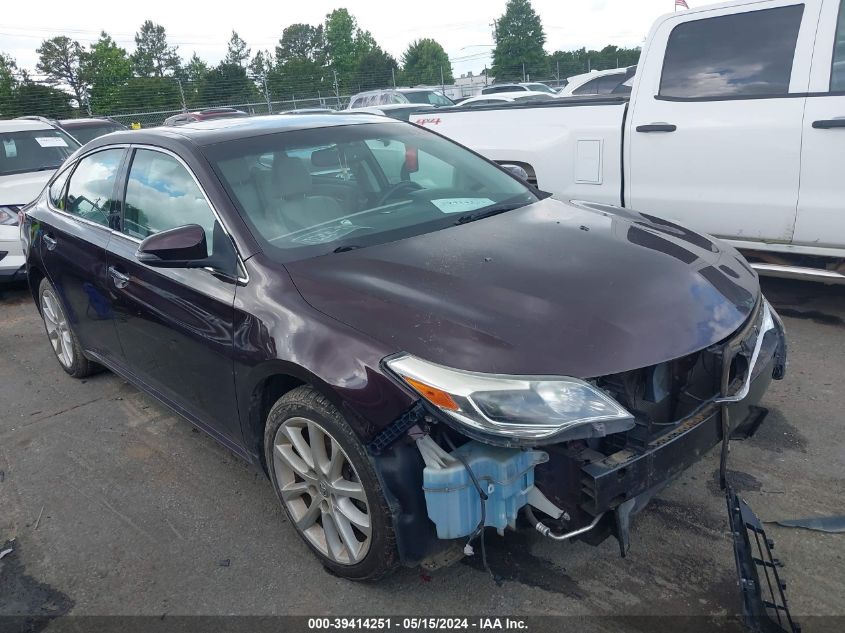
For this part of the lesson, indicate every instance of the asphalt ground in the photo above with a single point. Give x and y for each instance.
(117, 507)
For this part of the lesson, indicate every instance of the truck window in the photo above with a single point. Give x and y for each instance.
(589, 88)
(837, 71)
(732, 55)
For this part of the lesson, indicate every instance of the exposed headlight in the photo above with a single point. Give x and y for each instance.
(514, 409)
(9, 216)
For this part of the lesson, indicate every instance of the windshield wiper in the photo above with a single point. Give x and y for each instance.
(496, 209)
(343, 249)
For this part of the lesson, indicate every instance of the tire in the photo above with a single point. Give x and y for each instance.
(305, 415)
(62, 338)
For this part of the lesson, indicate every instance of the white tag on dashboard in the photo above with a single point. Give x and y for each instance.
(461, 205)
(50, 141)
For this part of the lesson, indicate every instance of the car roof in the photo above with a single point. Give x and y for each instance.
(213, 131)
(516, 94)
(18, 125)
(86, 122)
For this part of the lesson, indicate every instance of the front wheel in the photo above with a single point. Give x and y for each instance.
(327, 486)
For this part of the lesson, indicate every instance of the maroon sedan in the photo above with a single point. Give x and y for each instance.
(411, 342)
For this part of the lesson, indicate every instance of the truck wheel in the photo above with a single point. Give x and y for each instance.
(328, 487)
(62, 338)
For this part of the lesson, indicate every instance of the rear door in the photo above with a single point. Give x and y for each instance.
(73, 240)
(714, 133)
(821, 200)
(175, 325)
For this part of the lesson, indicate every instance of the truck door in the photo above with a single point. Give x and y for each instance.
(821, 199)
(714, 135)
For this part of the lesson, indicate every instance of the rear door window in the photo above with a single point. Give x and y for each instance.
(741, 54)
(589, 88)
(90, 192)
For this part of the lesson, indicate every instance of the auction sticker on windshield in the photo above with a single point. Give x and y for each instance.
(461, 205)
(50, 141)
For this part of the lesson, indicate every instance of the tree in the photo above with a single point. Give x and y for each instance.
(237, 53)
(301, 41)
(149, 93)
(8, 84)
(261, 65)
(375, 69)
(153, 57)
(520, 39)
(569, 63)
(340, 45)
(106, 69)
(422, 62)
(60, 58)
(194, 72)
(226, 84)
(40, 100)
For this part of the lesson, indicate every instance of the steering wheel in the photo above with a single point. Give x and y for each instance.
(397, 188)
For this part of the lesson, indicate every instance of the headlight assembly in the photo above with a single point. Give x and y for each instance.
(514, 410)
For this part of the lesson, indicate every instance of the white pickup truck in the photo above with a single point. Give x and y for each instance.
(735, 126)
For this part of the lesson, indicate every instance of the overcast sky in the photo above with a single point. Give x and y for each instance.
(463, 27)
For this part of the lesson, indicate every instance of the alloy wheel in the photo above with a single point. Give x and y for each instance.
(322, 491)
(58, 330)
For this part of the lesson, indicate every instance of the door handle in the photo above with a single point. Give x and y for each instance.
(120, 280)
(829, 124)
(49, 241)
(657, 127)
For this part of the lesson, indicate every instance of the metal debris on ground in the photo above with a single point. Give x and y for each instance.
(38, 520)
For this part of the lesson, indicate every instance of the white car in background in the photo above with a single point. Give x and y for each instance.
(501, 98)
(528, 86)
(30, 151)
(599, 82)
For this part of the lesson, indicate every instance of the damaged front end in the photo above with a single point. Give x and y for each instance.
(577, 458)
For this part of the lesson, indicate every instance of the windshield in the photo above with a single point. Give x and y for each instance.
(85, 133)
(427, 96)
(540, 88)
(312, 192)
(34, 150)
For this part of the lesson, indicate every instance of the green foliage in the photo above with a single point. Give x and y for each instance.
(149, 93)
(582, 61)
(237, 53)
(301, 42)
(340, 45)
(519, 42)
(106, 69)
(375, 69)
(8, 83)
(227, 84)
(153, 57)
(422, 63)
(60, 59)
(39, 100)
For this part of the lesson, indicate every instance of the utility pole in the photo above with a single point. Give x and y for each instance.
(393, 76)
(523, 71)
(442, 86)
(336, 89)
(266, 92)
(558, 71)
(182, 95)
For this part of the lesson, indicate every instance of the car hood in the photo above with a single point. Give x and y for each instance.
(549, 289)
(23, 188)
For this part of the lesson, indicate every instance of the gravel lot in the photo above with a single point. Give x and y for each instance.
(119, 507)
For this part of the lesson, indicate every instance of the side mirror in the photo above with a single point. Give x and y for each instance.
(182, 247)
(516, 170)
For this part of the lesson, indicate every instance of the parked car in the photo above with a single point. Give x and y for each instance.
(504, 98)
(599, 82)
(30, 151)
(84, 130)
(400, 111)
(518, 87)
(204, 115)
(734, 127)
(389, 96)
(381, 319)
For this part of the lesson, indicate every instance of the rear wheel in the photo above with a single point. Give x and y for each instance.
(63, 340)
(327, 486)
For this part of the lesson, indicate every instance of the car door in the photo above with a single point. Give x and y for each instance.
(821, 211)
(175, 325)
(714, 133)
(74, 233)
